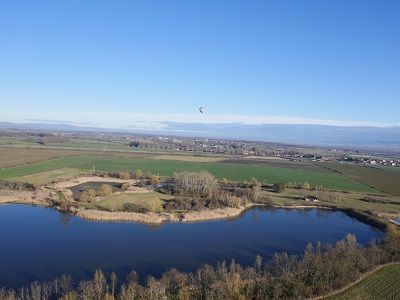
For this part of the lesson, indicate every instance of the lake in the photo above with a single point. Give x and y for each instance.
(40, 243)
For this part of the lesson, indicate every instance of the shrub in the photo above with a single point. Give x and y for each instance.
(88, 195)
(124, 175)
(138, 173)
(105, 190)
(279, 187)
(306, 186)
(154, 180)
(234, 201)
(255, 192)
(126, 186)
(16, 185)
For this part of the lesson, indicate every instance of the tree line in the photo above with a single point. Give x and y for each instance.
(16, 186)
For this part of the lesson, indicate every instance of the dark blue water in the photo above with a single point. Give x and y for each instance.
(40, 243)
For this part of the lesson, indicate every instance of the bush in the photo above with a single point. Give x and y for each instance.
(279, 187)
(126, 186)
(124, 175)
(154, 180)
(306, 186)
(234, 201)
(151, 207)
(16, 186)
(88, 195)
(130, 207)
(138, 174)
(105, 190)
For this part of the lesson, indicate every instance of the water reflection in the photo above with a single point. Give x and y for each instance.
(41, 243)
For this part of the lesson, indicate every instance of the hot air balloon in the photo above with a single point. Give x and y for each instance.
(201, 109)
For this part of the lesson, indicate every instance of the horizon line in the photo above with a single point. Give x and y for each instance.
(118, 120)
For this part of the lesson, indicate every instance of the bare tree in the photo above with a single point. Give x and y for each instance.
(114, 281)
(201, 184)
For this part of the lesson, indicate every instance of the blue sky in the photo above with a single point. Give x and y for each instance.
(101, 62)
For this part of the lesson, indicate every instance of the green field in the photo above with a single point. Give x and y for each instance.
(74, 144)
(234, 172)
(49, 176)
(151, 201)
(383, 179)
(382, 284)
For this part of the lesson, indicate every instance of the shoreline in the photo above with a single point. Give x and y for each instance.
(151, 218)
(43, 197)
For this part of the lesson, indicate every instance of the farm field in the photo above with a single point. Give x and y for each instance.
(90, 144)
(190, 158)
(10, 157)
(281, 163)
(49, 176)
(354, 202)
(150, 201)
(382, 284)
(383, 179)
(391, 169)
(72, 143)
(233, 172)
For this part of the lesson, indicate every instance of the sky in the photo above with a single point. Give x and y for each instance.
(113, 63)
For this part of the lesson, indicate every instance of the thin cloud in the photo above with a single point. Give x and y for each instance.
(158, 121)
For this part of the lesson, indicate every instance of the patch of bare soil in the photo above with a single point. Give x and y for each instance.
(84, 179)
(214, 214)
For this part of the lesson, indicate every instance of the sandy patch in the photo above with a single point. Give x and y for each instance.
(84, 179)
(215, 214)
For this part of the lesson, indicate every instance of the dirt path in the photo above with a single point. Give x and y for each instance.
(84, 179)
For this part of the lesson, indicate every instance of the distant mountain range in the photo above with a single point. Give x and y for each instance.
(319, 135)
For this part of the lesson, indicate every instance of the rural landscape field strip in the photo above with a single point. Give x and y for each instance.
(12, 156)
(234, 172)
(383, 179)
(280, 163)
(382, 284)
(49, 176)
